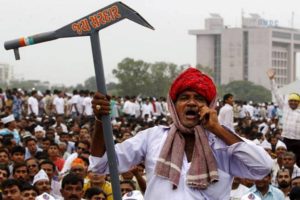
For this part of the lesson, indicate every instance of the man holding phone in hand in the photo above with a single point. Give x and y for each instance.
(194, 158)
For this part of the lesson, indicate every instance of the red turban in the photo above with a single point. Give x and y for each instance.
(195, 80)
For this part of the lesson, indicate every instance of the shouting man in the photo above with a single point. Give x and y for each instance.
(194, 158)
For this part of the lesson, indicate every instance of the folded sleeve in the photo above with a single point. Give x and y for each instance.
(250, 161)
(98, 164)
(129, 153)
(245, 159)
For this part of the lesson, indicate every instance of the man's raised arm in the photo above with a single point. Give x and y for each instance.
(100, 105)
(271, 74)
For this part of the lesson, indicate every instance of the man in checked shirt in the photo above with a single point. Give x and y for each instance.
(291, 117)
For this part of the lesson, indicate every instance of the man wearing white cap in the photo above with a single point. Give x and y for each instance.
(280, 149)
(10, 128)
(41, 182)
(267, 146)
(39, 134)
(291, 117)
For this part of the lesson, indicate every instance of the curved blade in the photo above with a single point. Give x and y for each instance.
(101, 19)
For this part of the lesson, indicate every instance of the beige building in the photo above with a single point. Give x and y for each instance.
(6, 73)
(246, 53)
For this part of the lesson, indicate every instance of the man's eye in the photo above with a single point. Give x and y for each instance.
(199, 98)
(182, 97)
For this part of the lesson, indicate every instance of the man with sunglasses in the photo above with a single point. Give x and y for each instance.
(80, 147)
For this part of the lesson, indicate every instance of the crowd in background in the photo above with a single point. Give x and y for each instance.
(45, 141)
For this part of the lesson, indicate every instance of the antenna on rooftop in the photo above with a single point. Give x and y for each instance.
(215, 15)
(292, 21)
(242, 17)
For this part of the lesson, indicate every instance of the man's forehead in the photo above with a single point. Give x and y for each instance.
(82, 145)
(21, 168)
(77, 167)
(73, 184)
(283, 173)
(29, 191)
(43, 181)
(288, 157)
(123, 185)
(11, 187)
(297, 179)
(46, 165)
(189, 92)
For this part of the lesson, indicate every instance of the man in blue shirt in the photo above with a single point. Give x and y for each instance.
(10, 128)
(265, 190)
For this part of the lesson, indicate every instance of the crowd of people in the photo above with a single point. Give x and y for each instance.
(51, 145)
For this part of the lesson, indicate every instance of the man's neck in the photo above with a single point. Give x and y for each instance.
(32, 153)
(189, 146)
(11, 129)
(263, 190)
(279, 162)
(53, 158)
(291, 170)
(286, 190)
(235, 186)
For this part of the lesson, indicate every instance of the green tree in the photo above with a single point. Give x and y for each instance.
(133, 77)
(112, 88)
(90, 84)
(79, 87)
(146, 79)
(26, 85)
(246, 91)
(207, 70)
(161, 76)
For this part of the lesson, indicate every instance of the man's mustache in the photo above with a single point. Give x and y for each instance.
(74, 197)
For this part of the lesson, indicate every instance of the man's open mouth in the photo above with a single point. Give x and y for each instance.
(191, 113)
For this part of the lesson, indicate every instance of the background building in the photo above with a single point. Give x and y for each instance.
(6, 73)
(246, 53)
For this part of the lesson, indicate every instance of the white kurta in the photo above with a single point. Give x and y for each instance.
(243, 159)
(226, 116)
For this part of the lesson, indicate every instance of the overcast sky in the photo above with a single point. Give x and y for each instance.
(69, 61)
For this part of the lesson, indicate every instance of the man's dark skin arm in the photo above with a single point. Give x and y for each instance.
(98, 144)
(209, 119)
(140, 180)
(76, 109)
